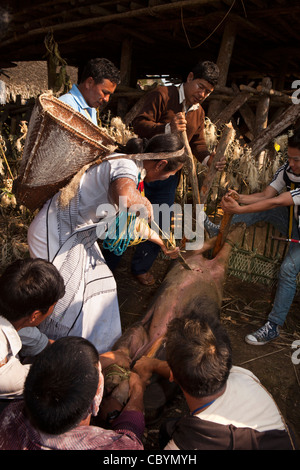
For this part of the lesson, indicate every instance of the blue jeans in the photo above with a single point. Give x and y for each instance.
(290, 267)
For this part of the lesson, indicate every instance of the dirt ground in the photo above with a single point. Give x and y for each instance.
(245, 308)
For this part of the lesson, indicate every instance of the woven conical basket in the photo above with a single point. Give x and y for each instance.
(59, 143)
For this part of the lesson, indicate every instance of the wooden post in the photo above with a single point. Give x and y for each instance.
(125, 73)
(223, 63)
(262, 109)
(262, 114)
(225, 139)
(51, 71)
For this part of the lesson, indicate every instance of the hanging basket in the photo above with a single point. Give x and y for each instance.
(59, 143)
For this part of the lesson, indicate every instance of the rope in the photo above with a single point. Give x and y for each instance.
(125, 233)
(215, 29)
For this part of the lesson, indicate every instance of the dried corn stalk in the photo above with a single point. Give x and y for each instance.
(243, 172)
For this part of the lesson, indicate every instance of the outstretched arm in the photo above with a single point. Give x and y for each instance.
(256, 202)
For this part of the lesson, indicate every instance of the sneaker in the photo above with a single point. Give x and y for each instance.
(266, 333)
(211, 228)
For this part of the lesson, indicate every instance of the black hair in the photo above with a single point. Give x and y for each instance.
(100, 69)
(61, 385)
(28, 285)
(159, 143)
(207, 70)
(199, 354)
(294, 140)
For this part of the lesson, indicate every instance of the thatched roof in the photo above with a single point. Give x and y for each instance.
(29, 79)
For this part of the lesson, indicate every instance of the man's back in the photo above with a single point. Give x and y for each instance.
(17, 433)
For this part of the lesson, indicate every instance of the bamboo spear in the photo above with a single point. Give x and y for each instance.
(192, 170)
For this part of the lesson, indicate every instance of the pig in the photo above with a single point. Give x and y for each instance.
(194, 286)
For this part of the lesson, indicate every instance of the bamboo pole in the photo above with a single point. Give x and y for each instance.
(192, 170)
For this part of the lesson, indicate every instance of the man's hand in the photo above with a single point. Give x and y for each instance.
(229, 204)
(219, 165)
(147, 366)
(172, 252)
(144, 368)
(178, 123)
(136, 393)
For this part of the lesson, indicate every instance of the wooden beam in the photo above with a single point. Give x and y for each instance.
(231, 108)
(286, 119)
(260, 90)
(93, 20)
(246, 113)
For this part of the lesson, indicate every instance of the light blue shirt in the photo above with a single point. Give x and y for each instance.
(75, 99)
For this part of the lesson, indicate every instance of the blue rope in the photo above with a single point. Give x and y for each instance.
(119, 236)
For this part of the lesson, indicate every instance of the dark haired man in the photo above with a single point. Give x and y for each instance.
(281, 210)
(229, 408)
(29, 289)
(174, 109)
(97, 83)
(62, 391)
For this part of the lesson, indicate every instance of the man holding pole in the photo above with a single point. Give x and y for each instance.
(281, 210)
(174, 109)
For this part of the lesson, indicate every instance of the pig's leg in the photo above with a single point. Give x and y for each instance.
(219, 264)
(234, 238)
(133, 339)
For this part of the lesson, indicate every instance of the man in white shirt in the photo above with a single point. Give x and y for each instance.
(278, 204)
(229, 408)
(29, 289)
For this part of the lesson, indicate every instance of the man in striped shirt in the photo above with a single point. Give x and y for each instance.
(278, 204)
(63, 391)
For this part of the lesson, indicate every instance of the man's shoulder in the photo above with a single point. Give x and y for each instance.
(10, 340)
(73, 96)
(166, 91)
